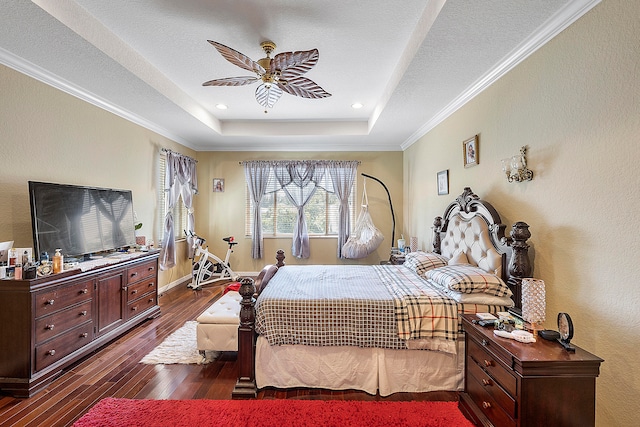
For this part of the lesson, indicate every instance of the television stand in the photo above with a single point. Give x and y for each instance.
(51, 322)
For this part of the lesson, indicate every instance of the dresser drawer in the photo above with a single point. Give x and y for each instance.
(50, 326)
(490, 363)
(487, 404)
(139, 306)
(62, 297)
(141, 288)
(140, 271)
(63, 345)
(500, 395)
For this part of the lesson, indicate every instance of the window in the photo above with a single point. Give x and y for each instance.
(179, 211)
(279, 214)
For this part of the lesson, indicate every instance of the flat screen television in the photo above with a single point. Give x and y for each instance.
(80, 221)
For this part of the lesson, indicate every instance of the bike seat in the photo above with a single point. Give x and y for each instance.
(229, 240)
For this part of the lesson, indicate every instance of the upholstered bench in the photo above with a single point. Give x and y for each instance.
(217, 328)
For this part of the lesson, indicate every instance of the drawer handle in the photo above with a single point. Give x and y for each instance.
(150, 299)
(485, 342)
(134, 308)
(84, 291)
(83, 313)
(51, 353)
(134, 274)
(84, 335)
(135, 291)
(49, 302)
(488, 363)
(486, 405)
(150, 284)
(50, 327)
(486, 382)
(151, 268)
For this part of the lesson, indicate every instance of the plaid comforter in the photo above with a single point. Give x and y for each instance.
(383, 306)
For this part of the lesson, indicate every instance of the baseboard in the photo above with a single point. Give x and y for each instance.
(185, 279)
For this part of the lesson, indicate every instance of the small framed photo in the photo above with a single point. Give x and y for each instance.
(443, 182)
(218, 185)
(470, 151)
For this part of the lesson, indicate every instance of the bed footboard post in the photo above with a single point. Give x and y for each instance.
(519, 264)
(437, 229)
(280, 258)
(246, 385)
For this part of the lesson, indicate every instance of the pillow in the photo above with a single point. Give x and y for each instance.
(459, 258)
(421, 262)
(468, 279)
(476, 298)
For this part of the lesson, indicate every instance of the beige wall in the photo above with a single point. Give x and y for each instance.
(47, 135)
(576, 104)
(223, 214)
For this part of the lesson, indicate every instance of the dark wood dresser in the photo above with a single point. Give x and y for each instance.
(48, 323)
(508, 383)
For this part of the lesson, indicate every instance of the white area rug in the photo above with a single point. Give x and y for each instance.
(180, 348)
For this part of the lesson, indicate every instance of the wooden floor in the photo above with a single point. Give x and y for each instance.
(114, 371)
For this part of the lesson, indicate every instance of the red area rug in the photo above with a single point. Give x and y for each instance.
(254, 413)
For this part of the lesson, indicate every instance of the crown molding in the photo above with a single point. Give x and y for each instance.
(554, 26)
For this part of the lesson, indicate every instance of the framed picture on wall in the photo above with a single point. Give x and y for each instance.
(470, 151)
(443, 182)
(218, 185)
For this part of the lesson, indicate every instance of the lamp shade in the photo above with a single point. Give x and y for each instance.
(533, 300)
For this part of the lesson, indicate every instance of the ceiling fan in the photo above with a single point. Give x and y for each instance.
(282, 73)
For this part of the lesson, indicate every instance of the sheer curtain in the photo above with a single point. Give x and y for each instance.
(180, 181)
(343, 176)
(257, 174)
(299, 180)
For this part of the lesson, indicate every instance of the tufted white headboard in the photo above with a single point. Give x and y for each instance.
(471, 236)
(473, 226)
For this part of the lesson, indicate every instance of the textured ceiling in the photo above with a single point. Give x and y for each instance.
(411, 63)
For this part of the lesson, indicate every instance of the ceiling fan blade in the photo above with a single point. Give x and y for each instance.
(267, 96)
(293, 64)
(237, 58)
(302, 86)
(231, 81)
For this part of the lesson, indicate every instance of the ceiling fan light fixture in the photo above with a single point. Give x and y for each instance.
(282, 73)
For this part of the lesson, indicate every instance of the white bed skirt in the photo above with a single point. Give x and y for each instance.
(368, 369)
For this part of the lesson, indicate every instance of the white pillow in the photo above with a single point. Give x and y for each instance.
(459, 258)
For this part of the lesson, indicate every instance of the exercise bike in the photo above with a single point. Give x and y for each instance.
(208, 268)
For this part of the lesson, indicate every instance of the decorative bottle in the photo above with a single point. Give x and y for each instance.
(57, 262)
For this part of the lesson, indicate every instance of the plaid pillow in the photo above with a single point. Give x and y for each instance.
(421, 262)
(468, 279)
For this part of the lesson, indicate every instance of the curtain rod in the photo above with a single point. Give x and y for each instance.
(310, 160)
(166, 150)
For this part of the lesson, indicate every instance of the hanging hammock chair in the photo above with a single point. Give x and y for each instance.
(365, 238)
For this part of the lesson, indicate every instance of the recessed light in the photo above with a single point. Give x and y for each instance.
(221, 107)
(356, 105)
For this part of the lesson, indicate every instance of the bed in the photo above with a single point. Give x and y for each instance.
(384, 328)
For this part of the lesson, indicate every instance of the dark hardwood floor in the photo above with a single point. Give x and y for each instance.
(114, 371)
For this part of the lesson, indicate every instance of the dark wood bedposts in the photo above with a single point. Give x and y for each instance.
(246, 385)
(519, 264)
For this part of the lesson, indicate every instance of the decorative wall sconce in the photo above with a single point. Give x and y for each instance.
(516, 167)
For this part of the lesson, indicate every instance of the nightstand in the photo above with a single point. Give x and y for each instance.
(508, 383)
(397, 259)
